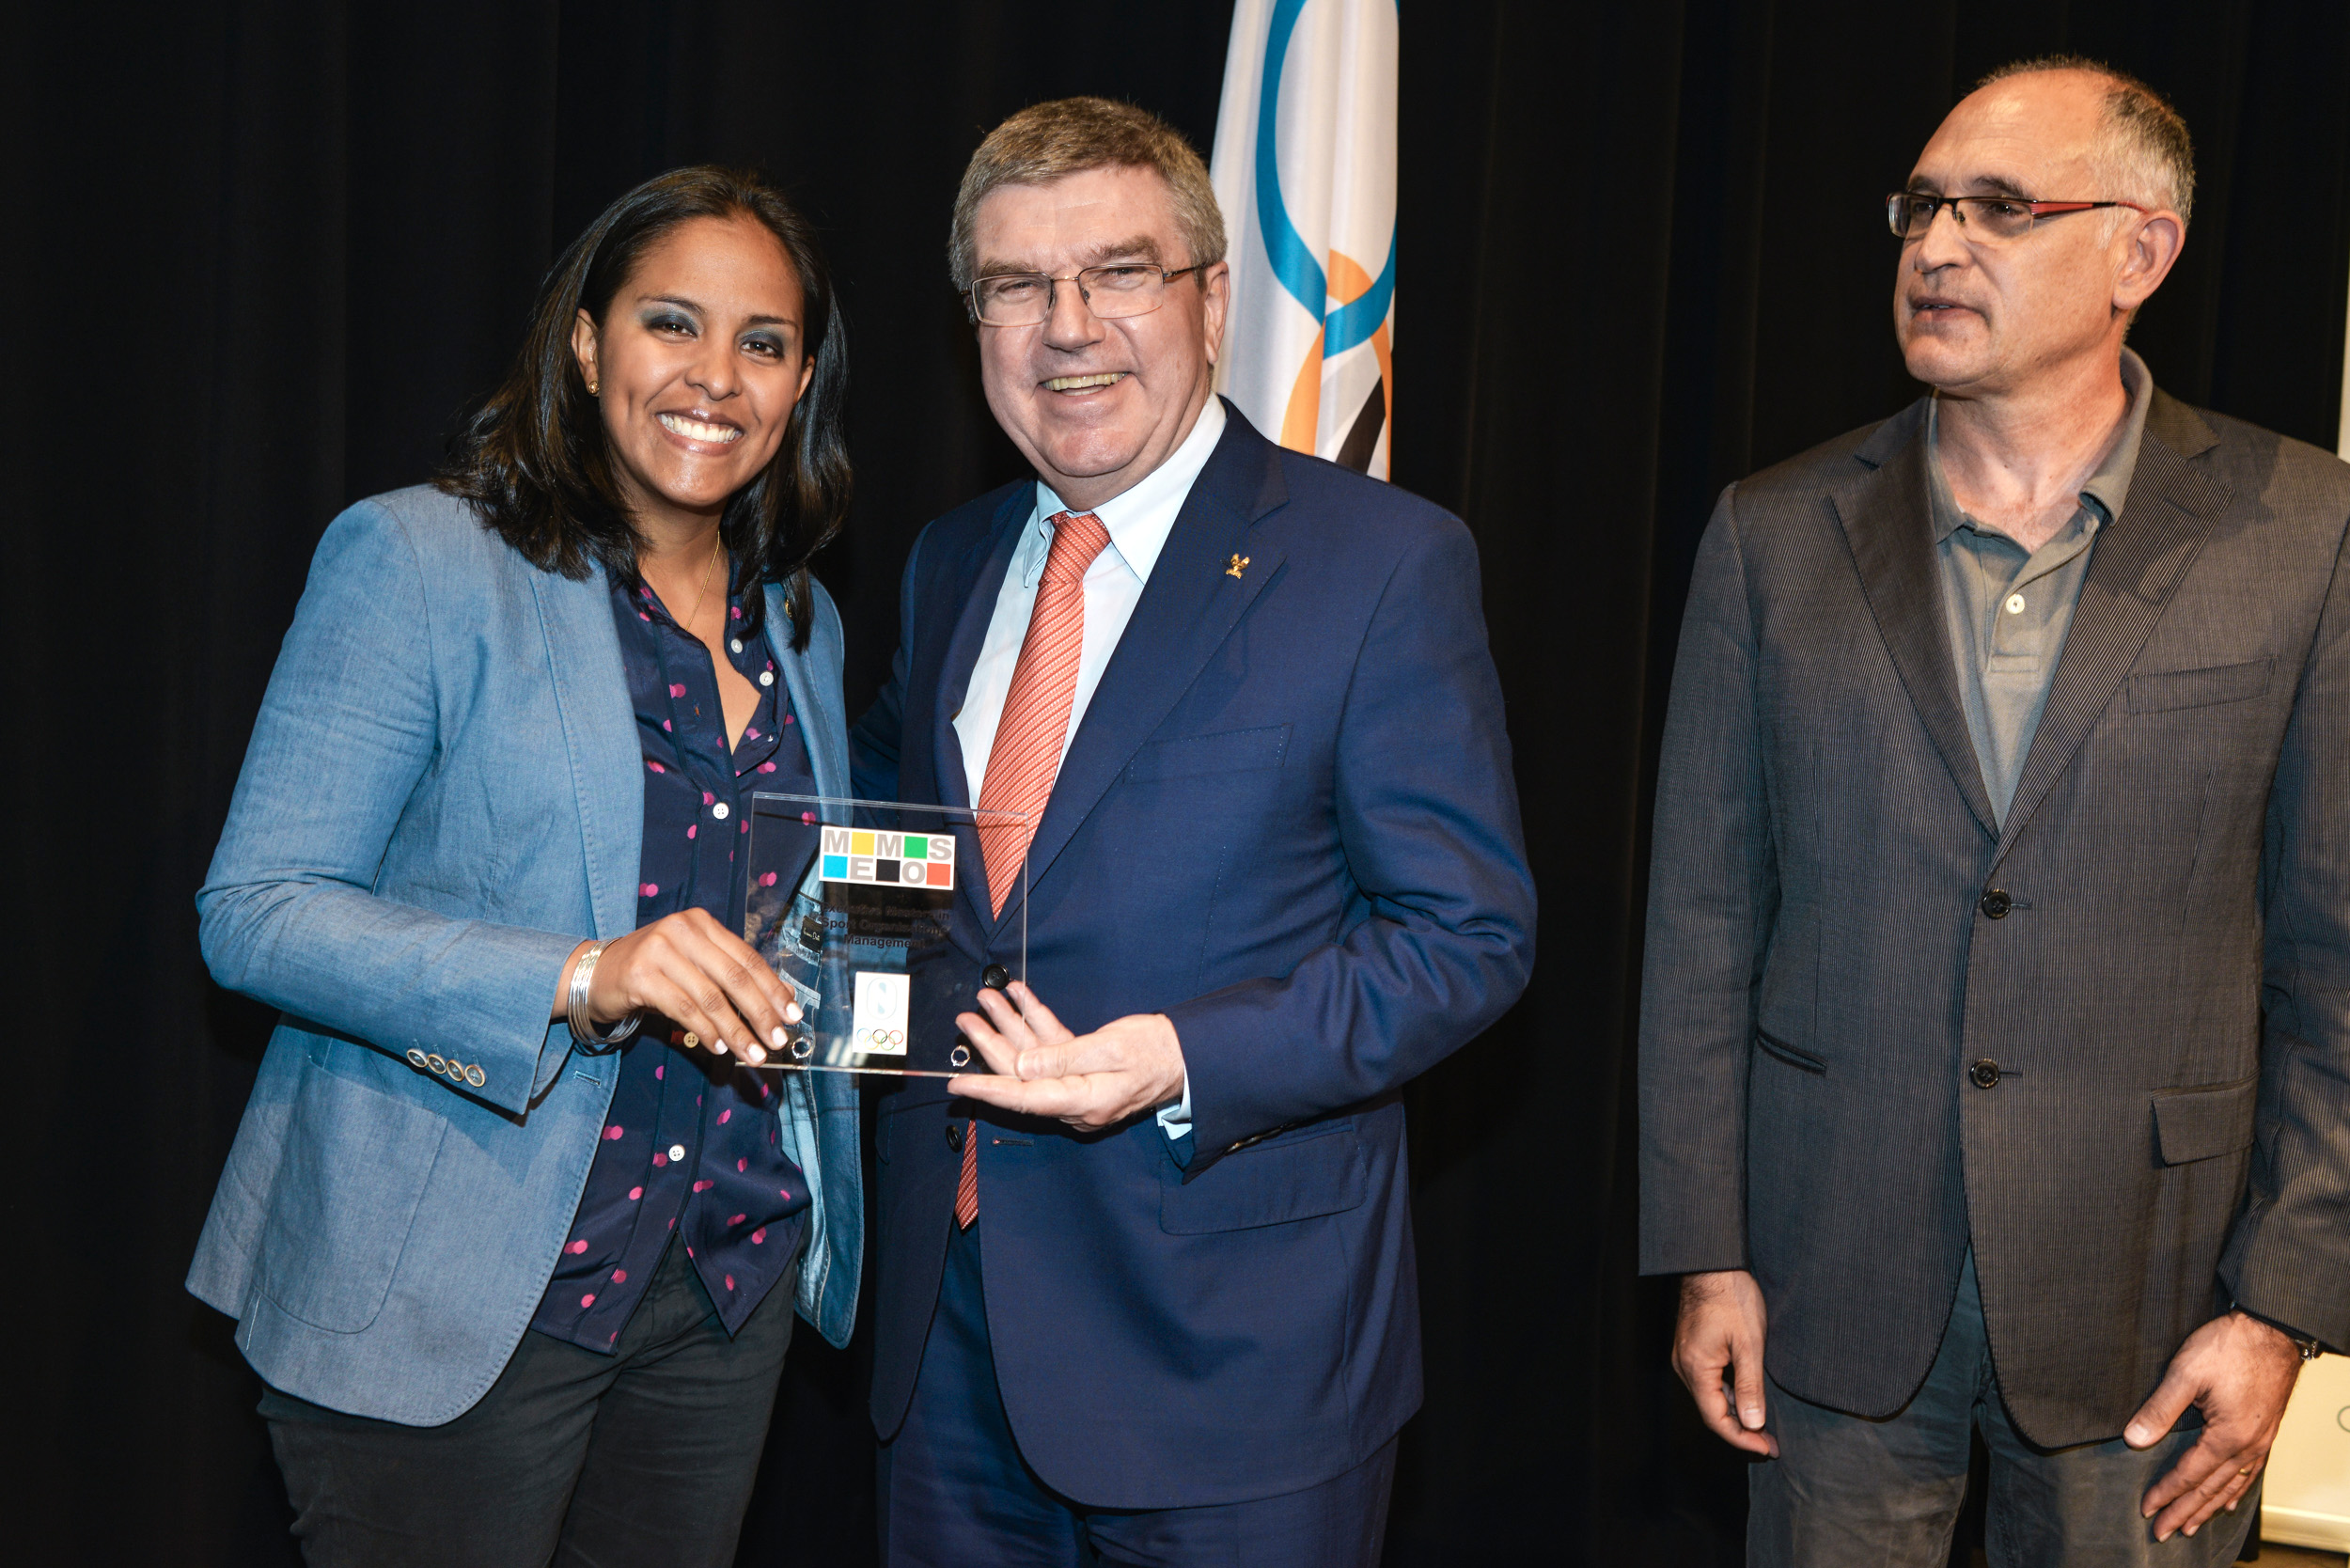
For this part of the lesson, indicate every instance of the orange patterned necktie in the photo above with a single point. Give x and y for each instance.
(1029, 737)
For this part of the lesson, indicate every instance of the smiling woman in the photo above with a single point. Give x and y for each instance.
(517, 1257)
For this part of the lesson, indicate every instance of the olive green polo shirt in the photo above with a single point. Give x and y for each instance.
(2009, 611)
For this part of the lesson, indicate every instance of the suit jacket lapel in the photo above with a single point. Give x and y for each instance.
(813, 678)
(1888, 527)
(979, 578)
(599, 735)
(2135, 568)
(1190, 604)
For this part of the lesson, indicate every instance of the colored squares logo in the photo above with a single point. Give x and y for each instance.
(887, 859)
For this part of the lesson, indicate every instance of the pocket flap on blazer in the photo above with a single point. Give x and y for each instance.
(2200, 688)
(1320, 1170)
(2200, 1123)
(1227, 751)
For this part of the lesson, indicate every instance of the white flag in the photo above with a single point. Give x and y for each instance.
(1305, 169)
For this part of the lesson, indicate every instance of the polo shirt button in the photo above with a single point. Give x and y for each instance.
(720, 810)
(2015, 603)
(766, 677)
(676, 1152)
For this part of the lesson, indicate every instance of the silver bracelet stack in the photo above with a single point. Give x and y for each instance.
(583, 1027)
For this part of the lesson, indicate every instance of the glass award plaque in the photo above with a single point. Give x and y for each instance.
(856, 903)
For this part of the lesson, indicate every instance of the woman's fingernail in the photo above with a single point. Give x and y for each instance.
(717, 1047)
(757, 1054)
(780, 1039)
(791, 1013)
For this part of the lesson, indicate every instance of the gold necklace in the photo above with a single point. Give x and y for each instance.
(717, 548)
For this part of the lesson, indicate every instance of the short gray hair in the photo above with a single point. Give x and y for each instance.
(2145, 149)
(1070, 135)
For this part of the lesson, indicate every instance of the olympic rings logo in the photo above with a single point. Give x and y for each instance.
(877, 1038)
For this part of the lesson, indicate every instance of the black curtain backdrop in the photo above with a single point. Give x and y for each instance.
(261, 254)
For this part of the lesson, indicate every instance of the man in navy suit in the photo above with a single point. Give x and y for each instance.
(1146, 1292)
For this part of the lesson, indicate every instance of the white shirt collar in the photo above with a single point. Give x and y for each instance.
(1140, 518)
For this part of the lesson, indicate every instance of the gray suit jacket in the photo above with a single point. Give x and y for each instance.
(2154, 949)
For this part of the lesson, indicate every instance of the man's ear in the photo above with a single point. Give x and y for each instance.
(1216, 286)
(583, 350)
(2153, 250)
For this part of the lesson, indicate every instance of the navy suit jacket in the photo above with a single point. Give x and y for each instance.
(1286, 822)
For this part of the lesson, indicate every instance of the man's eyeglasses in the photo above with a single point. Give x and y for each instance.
(1024, 299)
(1910, 213)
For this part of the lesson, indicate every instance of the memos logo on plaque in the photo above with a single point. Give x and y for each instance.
(904, 859)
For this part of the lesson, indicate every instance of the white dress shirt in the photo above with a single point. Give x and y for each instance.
(1138, 521)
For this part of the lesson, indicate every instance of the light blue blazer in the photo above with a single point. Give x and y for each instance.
(442, 796)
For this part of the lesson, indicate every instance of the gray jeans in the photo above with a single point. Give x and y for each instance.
(1846, 1491)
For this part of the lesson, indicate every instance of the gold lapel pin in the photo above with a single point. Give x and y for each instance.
(1234, 570)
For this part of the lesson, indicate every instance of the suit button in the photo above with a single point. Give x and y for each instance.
(1984, 1073)
(437, 1062)
(954, 1137)
(476, 1076)
(1995, 903)
(415, 1055)
(996, 976)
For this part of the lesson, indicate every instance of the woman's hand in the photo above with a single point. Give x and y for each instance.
(693, 971)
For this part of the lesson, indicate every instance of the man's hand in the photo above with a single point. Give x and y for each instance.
(1091, 1081)
(1721, 1332)
(2239, 1373)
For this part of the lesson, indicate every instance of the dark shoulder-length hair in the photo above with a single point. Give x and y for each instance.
(534, 459)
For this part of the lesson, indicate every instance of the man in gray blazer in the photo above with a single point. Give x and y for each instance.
(1996, 1048)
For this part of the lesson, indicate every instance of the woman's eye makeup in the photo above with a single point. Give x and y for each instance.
(765, 343)
(667, 320)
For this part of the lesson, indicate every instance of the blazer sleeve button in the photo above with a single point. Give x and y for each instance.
(1995, 903)
(475, 1076)
(416, 1057)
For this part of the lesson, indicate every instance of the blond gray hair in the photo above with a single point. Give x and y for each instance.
(1070, 135)
(2145, 152)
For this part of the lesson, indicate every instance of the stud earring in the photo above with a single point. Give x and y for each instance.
(591, 388)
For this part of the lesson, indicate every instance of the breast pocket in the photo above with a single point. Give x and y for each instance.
(2160, 691)
(1224, 752)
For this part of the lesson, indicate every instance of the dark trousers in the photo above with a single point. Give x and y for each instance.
(642, 1457)
(1846, 1491)
(955, 1491)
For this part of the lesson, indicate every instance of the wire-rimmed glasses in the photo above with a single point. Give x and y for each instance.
(1110, 292)
(1910, 213)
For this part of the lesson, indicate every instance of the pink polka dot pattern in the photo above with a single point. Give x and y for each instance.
(729, 1176)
